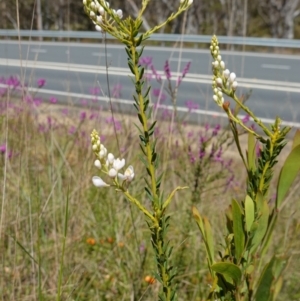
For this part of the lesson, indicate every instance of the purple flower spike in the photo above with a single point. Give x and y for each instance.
(41, 82)
(186, 69)
(167, 70)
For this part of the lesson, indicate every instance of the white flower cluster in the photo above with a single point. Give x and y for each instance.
(109, 165)
(223, 79)
(98, 14)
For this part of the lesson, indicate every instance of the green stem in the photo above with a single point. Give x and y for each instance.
(144, 123)
(139, 205)
(250, 113)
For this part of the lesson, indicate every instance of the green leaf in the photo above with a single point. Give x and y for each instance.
(249, 212)
(260, 225)
(251, 155)
(296, 140)
(228, 269)
(289, 172)
(206, 234)
(263, 292)
(238, 229)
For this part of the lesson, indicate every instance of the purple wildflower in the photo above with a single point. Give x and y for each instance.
(216, 130)
(41, 82)
(72, 130)
(246, 119)
(37, 101)
(191, 105)
(116, 122)
(184, 73)
(82, 116)
(53, 99)
(3, 148)
(146, 61)
(157, 76)
(159, 94)
(94, 90)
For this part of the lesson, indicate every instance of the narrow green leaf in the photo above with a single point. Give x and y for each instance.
(209, 239)
(249, 212)
(199, 221)
(238, 229)
(288, 173)
(263, 292)
(251, 154)
(228, 269)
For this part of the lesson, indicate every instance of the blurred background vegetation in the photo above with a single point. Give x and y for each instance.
(267, 18)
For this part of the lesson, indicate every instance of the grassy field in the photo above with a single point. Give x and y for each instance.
(61, 238)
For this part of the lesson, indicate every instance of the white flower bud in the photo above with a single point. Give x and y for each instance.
(102, 154)
(226, 73)
(216, 90)
(222, 64)
(219, 58)
(232, 77)
(99, 19)
(112, 173)
(110, 158)
(219, 82)
(98, 182)
(97, 163)
(215, 53)
(220, 94)
(222, 100)
(92, 14)
(120, 13)
(101, 10)
(93, 5)
(98, 28)
(84, 2)
(234, 85)
(215, 98)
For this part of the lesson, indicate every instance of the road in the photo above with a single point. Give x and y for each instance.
(77, 68)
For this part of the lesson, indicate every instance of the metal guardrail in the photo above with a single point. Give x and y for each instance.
(196, 39)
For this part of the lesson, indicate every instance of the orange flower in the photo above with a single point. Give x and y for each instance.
(110, 240)
(149, 279)
(121, 244)
(91, 241)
